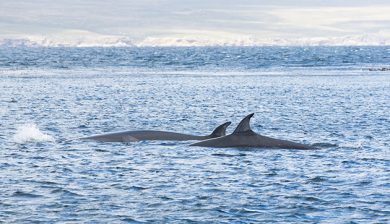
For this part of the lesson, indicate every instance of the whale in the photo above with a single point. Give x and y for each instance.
(244, 136)
(142, 135)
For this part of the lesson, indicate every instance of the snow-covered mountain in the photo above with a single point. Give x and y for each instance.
(114, 41)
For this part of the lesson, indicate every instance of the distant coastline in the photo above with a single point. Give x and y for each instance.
(119, 41)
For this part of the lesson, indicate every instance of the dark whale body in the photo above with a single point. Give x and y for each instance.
(132, 136)
(243, 136)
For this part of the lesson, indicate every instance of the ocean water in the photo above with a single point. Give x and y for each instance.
(337, 98)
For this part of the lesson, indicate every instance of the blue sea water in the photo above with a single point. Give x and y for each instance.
(336, 98)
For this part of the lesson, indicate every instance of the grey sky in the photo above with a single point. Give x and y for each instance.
(139, 19)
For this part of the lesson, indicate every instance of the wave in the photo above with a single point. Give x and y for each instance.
(30, 133)
(114, 41)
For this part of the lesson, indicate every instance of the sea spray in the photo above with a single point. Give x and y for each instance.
(30, 133)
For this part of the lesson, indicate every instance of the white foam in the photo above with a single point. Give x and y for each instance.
(358, 144)
(3, 111)
(30, 133)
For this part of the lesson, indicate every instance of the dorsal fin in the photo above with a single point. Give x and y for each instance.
(244, 126)
(220, 130)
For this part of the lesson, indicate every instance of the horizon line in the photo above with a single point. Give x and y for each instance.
(121, 41)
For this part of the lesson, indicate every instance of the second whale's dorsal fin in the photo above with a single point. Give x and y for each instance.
(244, 125)
(220, 130)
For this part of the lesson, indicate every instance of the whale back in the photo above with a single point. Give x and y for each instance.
(220, 130)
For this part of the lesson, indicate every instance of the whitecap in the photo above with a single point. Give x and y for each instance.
(30, 133)
(3, 111)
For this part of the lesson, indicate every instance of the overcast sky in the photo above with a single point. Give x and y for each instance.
(139, 19)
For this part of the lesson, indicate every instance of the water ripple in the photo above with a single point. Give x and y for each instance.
(343, 113)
